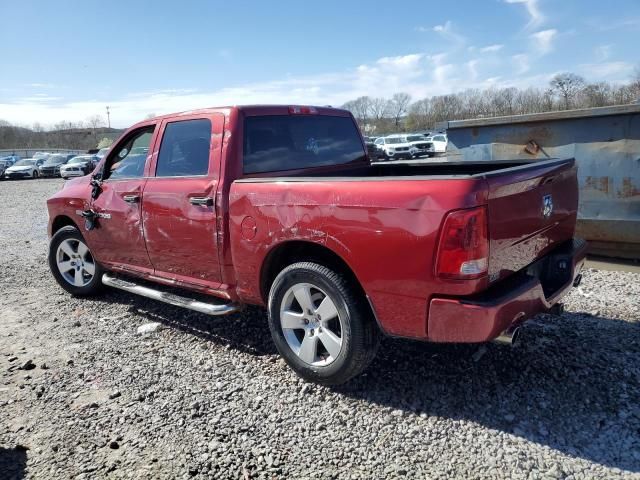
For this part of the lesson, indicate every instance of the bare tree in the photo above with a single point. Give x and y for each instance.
(419, 117)
(596, 95)
(378, 108)
(360, 107)
(635, 84)
(398, 107)
(566, 86)
(95, 122)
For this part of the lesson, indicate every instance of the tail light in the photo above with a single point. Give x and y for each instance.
(463, 251)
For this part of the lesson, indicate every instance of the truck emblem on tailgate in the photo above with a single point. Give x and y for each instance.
(547, 206)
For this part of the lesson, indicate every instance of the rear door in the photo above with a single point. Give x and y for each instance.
(531, 209)
(179, 211)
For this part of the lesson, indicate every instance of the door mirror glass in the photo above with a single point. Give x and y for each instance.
(123, 153)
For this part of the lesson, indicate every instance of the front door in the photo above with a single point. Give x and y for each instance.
(118, 240)
(180, 224)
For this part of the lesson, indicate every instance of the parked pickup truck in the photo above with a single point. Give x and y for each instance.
(279, 206)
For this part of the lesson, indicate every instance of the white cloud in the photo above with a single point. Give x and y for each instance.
(447, 31)
(536, 17)
(543, 41)
(521, 62)
(602, 52)
(607, 71)
(472, 66)
(420, 74)
(492, 48)
(40, 85)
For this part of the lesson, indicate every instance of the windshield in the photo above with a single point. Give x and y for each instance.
(25, 162)
(394, 140)
(55, 160)
(415, 138)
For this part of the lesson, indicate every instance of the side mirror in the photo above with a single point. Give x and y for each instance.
(123, 153)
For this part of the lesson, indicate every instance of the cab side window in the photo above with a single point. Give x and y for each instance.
(128, 158)
(184, 151)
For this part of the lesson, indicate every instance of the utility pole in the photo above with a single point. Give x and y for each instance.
(108, 117)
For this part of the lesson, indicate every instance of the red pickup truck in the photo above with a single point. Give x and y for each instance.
(280, 206)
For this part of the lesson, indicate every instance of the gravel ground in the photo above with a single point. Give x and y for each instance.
(82, 395)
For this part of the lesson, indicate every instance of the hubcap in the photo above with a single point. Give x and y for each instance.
(75, 262)
(311, 324)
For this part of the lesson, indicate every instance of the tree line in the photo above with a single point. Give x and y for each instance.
(84, 135)
(565, 91)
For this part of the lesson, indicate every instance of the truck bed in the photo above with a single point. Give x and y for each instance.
(387, 171)
(384, 221)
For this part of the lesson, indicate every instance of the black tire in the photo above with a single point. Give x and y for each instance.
(35, 174)
(94, 286)
(359, 332)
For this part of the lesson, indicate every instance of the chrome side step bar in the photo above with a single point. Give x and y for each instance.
(177, 300)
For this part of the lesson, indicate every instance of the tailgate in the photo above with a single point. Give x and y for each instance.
(531, 209)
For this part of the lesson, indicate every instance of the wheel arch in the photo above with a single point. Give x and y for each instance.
(62, 221)
(293, 251)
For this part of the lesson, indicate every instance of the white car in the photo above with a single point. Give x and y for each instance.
(78, 166)
(25, 168)
(392, 147)
(438, 143)
(419, 145)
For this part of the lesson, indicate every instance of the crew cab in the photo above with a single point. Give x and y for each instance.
(279, 206)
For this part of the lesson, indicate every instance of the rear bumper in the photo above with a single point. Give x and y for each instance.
(534, 290)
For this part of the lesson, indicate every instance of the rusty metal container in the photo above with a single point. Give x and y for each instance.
(606, 145)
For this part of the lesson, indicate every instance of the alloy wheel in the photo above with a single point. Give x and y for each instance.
(75, 262)
(311, 324)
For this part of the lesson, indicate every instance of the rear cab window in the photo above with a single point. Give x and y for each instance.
(275, 143)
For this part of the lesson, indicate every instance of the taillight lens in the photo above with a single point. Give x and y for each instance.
(463, 252)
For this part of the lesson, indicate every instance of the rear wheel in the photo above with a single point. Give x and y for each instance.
(320, 324)
(72, 263)
(34, 174)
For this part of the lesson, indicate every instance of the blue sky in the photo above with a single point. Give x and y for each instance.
(67, 60)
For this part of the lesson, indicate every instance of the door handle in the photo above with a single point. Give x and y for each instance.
(203, 201)
(131, 198)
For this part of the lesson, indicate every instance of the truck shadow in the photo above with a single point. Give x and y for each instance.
(13, 462)
(246, 331)
(572, 383)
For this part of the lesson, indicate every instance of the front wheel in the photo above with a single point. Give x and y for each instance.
(34, 174)
(72, 263)
(320, 324)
